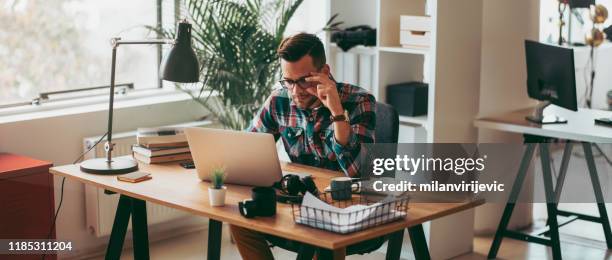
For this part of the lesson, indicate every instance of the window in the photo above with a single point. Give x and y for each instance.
(549, 22)
(54, 45)
(309, 17)
(581, 25)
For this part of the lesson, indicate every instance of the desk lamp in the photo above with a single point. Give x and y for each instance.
(180, 65)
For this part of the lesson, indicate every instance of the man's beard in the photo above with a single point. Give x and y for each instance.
(306, 102)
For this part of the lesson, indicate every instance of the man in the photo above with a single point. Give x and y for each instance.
(321, 123)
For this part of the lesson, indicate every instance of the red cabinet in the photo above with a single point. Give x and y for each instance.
(26, 200)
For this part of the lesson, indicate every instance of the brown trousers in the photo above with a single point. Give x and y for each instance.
(253, 245)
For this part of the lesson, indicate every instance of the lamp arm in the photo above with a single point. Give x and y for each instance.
(108, 146)
(115, 42)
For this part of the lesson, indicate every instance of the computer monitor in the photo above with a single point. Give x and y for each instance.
(551, 79)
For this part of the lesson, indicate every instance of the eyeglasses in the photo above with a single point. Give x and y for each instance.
(301, 82)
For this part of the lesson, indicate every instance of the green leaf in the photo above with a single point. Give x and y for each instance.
(236, 41)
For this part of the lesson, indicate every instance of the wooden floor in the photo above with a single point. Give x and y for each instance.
(193, 246)
(572, 247)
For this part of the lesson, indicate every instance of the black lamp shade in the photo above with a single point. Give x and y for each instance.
(181, 64)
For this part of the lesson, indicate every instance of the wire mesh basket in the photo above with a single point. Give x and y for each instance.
(347, 216)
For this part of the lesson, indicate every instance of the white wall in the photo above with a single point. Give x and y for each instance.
(549, 32)
(457, 79)
(458, 69)
(506, 24)
(59, 140)
(603, 78)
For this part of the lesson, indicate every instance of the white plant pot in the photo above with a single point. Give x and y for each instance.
(216, 196)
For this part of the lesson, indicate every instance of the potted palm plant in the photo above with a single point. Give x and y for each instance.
(236, 42)
(216, 192)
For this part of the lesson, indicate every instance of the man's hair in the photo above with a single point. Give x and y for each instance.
(299, 45)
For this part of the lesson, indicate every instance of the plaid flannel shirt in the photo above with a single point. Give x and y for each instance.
(308, 134)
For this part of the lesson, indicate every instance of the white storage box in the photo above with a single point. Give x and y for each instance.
(415, 31)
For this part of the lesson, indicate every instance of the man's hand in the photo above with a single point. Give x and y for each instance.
(326, 91)
(328, 94)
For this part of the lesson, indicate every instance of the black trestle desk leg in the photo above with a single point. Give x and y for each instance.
(567, 154)
(306, 252)
(601, 205)
(122, 217)
(419, 243)
(394, 246)
(516, 189)
(214, 239)
(325, 254)
(140, 232)
(551, 203)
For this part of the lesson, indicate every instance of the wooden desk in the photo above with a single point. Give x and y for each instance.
(579, 128)
(179, 188)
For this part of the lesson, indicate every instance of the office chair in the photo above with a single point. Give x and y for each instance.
(387, 124)
(387, 131)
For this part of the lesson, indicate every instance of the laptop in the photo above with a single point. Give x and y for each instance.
(249, 158)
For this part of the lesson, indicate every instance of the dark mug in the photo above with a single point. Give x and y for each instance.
(263, 203)
(342, 188)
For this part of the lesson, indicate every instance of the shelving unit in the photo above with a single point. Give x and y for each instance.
(420, 51)
(391, 63)
(451, 66)
(418, 121)
(357, 49)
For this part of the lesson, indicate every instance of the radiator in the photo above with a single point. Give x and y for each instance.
(100, 207)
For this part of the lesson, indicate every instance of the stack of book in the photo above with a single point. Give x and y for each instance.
(160, 145)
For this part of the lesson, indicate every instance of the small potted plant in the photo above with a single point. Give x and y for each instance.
(216, 192)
